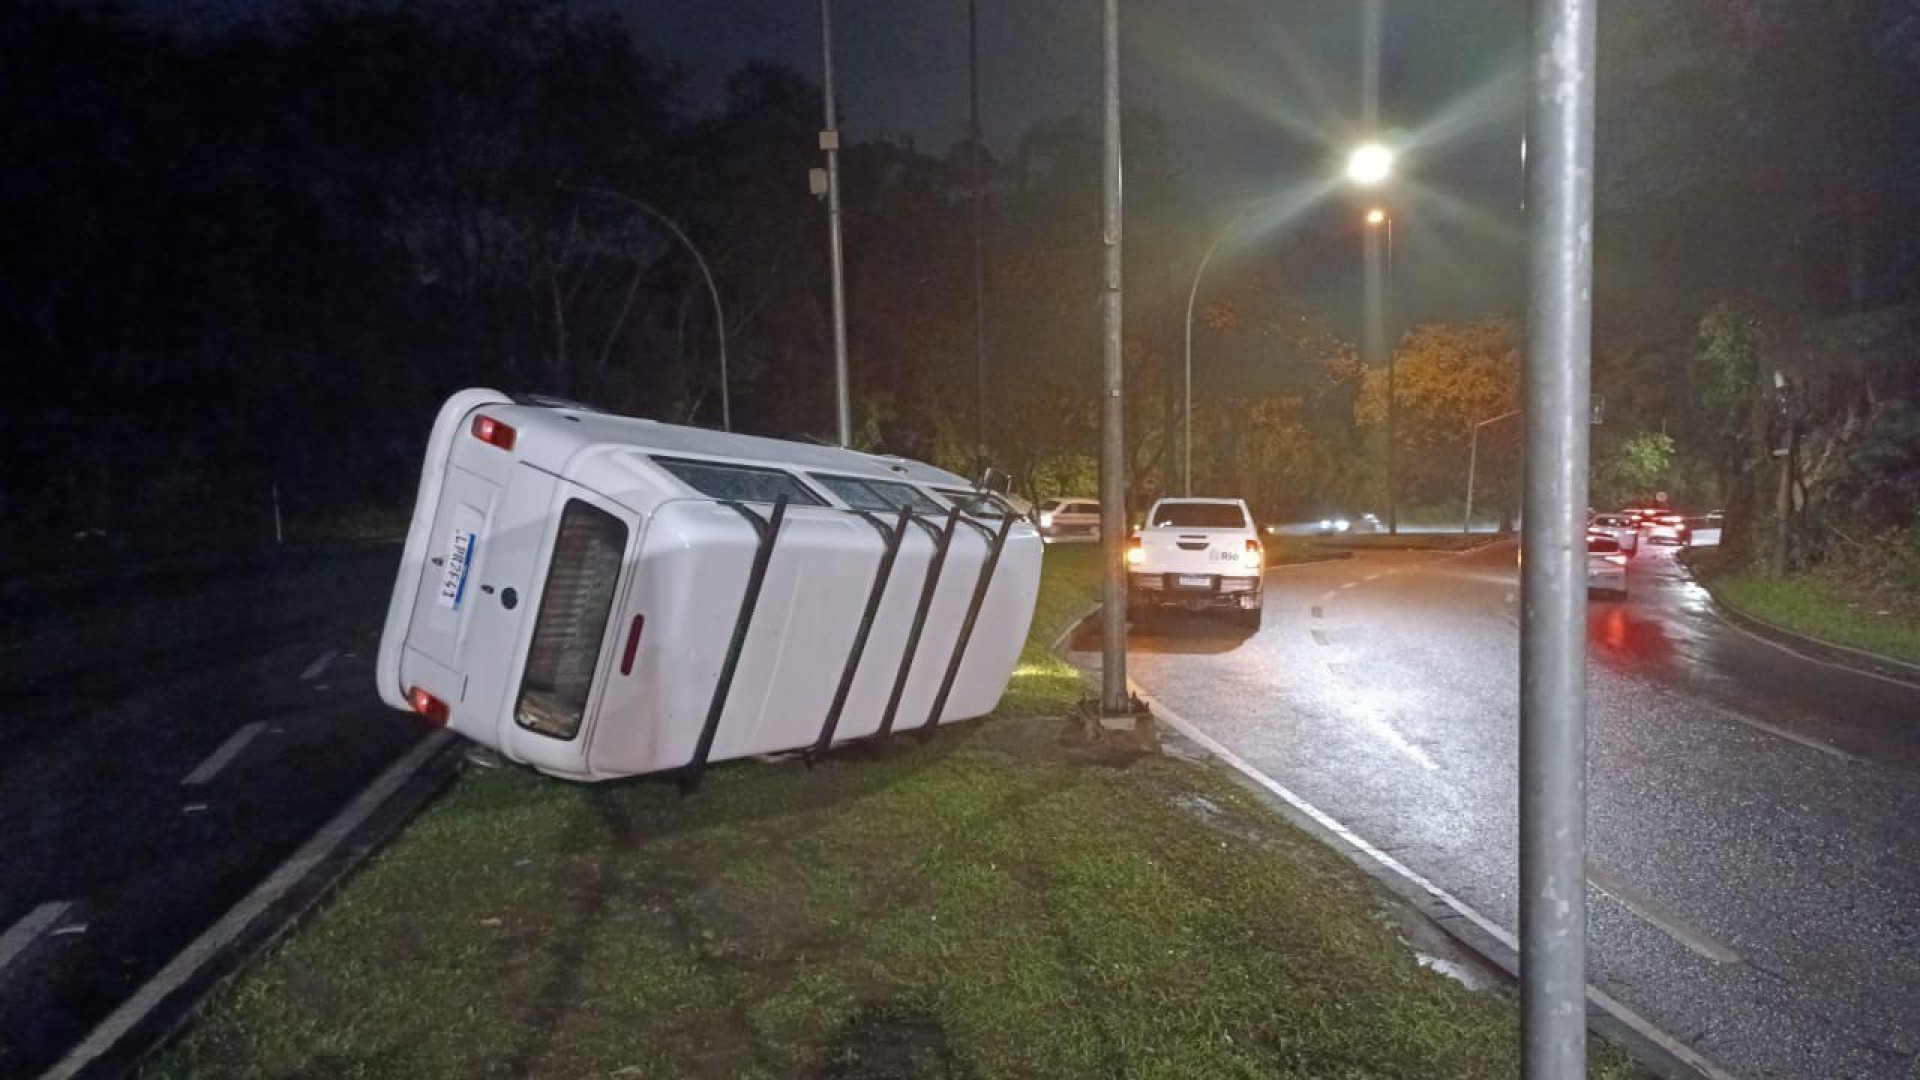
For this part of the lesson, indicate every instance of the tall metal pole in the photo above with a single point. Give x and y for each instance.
(1393, 399)
(1473, 459)
(1374, 347)
(979, 244)
(830, 142)
(1114, 699)
(1186, 453)
(1553, 731)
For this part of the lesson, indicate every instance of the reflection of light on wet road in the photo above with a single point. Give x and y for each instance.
(1371, 708)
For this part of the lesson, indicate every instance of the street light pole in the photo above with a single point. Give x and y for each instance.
(830, 142)
(1115, 701)
(1380, 302)
(719, 315)
(1553, 592)
(979, 246)
(1473, 459)
(1186, 455)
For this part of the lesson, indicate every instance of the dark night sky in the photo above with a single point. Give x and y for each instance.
(1256, 96)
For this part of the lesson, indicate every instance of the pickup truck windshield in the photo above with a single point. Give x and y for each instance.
(1199, 516)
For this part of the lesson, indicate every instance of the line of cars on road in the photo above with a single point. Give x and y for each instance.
(1613, 538)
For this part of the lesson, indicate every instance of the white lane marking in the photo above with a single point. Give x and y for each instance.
(31, 925)
(1349, 585)
(1666, 922)
(1372, 577)
(182, 967)
(1791, 651)
(1599, 997)
(1327, 597)
(220, 758)
(319, 665)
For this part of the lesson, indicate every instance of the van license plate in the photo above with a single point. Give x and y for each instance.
(1196, 581)
(453, 582)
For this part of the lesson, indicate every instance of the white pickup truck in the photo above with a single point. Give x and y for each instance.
(1197, 554)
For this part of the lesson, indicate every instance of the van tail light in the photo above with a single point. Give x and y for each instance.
(489, 430)
(1136, 552)
(1254, 554)
(1617, 559)
(431, 709)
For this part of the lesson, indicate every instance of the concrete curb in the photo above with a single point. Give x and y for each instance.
(1652, 1048)
(153, 1015)
(1847, 656)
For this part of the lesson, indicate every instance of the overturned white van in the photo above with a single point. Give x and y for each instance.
(600, 596)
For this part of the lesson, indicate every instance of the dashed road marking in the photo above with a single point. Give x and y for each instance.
(1349, 585)
(1666, 922)
(319, 665)
(220, 758)
(31, 925)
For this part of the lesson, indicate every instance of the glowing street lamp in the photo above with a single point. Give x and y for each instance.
(1369, 164)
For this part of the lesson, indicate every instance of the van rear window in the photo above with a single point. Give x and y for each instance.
(567, 633)
(742, 483)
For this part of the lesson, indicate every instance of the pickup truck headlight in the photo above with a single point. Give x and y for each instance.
(1136, 553)
(1046, 519)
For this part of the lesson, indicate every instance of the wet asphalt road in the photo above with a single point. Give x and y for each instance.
(1754, 819)
(166, 739)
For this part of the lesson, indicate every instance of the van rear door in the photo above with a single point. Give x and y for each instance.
(450, 576)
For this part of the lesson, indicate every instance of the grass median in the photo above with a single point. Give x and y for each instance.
(1823, 608)
(978, 906)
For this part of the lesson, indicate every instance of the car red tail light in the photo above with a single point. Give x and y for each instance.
(489, 430)
(1253, 554)
(431, 709)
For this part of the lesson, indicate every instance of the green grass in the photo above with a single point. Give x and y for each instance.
(1823, 608)
(980, 906)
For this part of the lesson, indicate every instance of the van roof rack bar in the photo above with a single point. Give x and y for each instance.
(893, 537)
(995, 547)
(919, 622)
(769, 530)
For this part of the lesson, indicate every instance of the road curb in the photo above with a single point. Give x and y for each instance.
(1649, 1046)
(162, 1007)
(1846, 656)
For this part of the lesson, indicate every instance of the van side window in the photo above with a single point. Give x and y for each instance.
(972, 503)
(742, 483)
(862, 493)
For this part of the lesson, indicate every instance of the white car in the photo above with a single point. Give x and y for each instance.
(1606, 567)
(1624, 530)
(1197, 554)
(1068, 519)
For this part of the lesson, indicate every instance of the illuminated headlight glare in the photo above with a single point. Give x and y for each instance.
(1046, 519)
(1342, 525)
(1326, 523)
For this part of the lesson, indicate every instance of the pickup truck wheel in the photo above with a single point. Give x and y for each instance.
(1247, 618)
